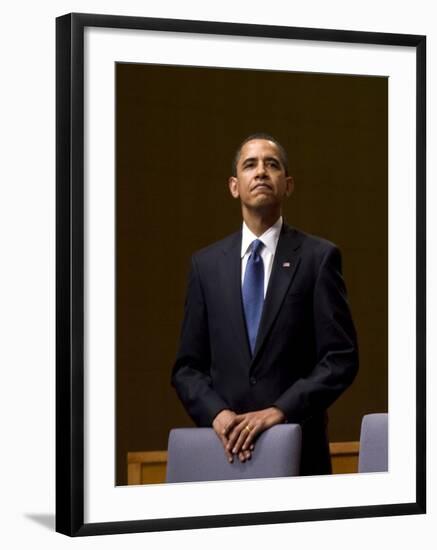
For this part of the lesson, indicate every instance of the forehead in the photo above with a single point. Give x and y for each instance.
(259, 148)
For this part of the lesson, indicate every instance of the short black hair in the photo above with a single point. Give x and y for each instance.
(261, 135)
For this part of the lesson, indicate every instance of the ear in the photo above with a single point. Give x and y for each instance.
(289, 186)
(233, 187)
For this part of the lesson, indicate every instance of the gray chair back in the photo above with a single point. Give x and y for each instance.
(373, 455)
(196, 454)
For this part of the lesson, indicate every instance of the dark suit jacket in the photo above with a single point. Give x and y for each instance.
(306, 351)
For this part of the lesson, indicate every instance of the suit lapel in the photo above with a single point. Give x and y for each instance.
(231, 280)
(283, 270)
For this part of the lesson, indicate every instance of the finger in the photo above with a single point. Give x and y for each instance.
(224, 442)
(234, 435)
(251, 436)
(244, 433)
(244, 455)
(229, 426)
(228, 454)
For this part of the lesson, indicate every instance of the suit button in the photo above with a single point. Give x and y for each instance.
(252, 380)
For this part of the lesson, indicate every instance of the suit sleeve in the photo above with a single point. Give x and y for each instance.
(335, 343)
(191, 371)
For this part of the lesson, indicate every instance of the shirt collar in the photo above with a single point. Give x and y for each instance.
(269, 238)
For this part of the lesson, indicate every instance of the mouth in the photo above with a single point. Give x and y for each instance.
(262, 187)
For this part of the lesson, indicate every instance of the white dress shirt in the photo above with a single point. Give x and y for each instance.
(270, 240)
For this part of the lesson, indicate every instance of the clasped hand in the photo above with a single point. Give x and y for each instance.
(238, 432)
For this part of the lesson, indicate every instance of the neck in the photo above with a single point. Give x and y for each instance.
(258, 222)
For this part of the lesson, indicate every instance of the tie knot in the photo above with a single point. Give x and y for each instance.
(256, 246)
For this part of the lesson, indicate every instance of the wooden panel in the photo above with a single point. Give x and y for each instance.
(150, 466)
(344, 457)
(147, 457)
(146, 467)
(153, 472)
(134, 474)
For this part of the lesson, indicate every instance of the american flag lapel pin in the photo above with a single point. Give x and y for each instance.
(286, 264)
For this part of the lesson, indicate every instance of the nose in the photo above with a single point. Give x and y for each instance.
(260, 169)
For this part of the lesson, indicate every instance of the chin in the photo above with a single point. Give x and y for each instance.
(263, 205)
(264, 200)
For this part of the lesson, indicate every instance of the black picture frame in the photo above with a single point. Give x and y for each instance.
(70, 272)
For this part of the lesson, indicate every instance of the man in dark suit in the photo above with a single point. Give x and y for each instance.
(267, 335)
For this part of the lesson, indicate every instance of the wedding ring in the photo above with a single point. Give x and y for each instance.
(247, 428)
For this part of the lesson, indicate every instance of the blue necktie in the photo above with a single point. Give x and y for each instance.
(253, 291)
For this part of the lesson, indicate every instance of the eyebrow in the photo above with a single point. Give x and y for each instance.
(251, 159)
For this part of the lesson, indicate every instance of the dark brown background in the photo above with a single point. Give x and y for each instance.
(177, 131)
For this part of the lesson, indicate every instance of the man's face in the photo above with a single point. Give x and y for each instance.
(261, 182)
